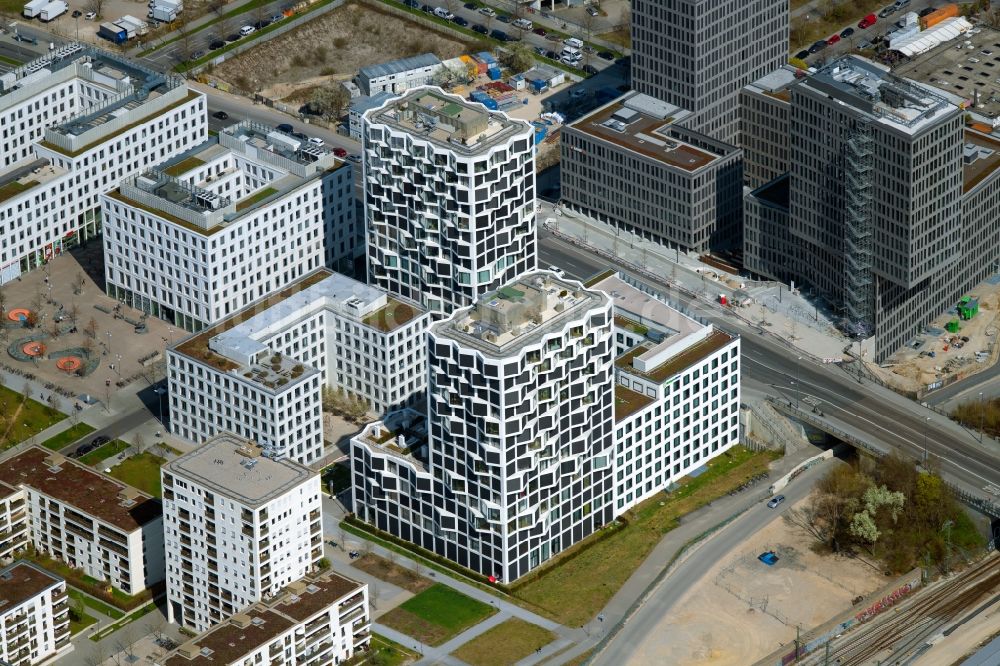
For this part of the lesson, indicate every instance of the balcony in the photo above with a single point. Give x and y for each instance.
(348, 603)
(352, 615)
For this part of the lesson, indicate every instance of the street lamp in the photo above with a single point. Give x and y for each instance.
(982, 416)
(927, 423)
(118, 365)
(109, 341)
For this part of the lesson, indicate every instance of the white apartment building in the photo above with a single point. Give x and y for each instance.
(319, 620)
(238, 526)
(198, 238)
(553, 408)
(449, 198)
(34, 615)
(73, 123)
(397, 76)
(110, 531)
(518, 464)
(260, 373)
(14, 521)
(677, 392)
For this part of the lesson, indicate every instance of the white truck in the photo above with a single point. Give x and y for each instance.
(52, 10)
(34, 8)
(165, 10)
(133, 26)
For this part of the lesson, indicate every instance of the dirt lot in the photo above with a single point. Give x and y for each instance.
(334, 47)
(913, 368)
(743, 609)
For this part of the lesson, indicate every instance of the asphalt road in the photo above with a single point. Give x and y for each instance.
(881, 27)
(672, 589)
(882, 416)
(129, 420)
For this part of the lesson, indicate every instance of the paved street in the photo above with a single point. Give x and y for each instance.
(881, 27)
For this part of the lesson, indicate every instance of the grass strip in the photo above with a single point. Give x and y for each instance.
(68, 436)
(507, 643)
(142, 472)
(103, 452)
(96, 604)
(437, 614)
(112, 628)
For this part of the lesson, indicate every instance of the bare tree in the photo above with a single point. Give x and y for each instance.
(26, 391)
(91, 328)
(55, 404)
(341, 537)
(73, 313)
(96, 6)
(78, 283)
(452, 5)
(139, 443)
(98, 655)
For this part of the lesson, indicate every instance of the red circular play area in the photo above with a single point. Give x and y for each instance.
(69, 364)
(33, 348)
(19, 314)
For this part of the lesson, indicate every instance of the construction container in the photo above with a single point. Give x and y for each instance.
(487, 57)
(953, 326)
(493, 72)
(968, 308)
(722, 299)
(940, 14)
(484, 99)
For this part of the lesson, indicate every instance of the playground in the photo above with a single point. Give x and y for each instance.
(58, 326)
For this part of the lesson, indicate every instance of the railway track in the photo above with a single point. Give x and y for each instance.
(904, 628)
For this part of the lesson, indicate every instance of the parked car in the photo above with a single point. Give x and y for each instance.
(412, 3)
(481, 29)
(590, 69)
(773, 504)
(340, 152)
(235, 37)
(99, 440)
(458, 20)
(487, 11)
(278, 17)
(803, 54)
(77, 13)
(552, 55)
(540, 50)
(316, 141)
(887, 11)
(867, 21)
(354, 158)
(197, 55)
(593, 11)
(221, 115)
(498, 34)
(261, 24)
(284, 127)
(818, 46)
(247, 30)
(300, 135)
(426, 8)
(540, 32)
(846, 32)
(504, 18)
(606, 55)
(441, 12)
(216, 44)
(832, 39)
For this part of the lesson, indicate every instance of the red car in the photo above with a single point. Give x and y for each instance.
(867, 21)
(833, 39)
(340, 152)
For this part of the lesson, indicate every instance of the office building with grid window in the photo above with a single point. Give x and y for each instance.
(202, 236)
(261, 373)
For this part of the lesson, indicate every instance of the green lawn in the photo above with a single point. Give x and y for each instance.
(78, 624)
(112, 448)
(68, 436)
(111, 628)
(33, 417)
(141, 471)
(437, 614)
(576, 585)
(96, 604)
(387, 653)
(10, 61)
(507, 643)
(254, 198)
(337, 477)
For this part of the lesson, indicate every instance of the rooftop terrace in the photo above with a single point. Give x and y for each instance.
(645, 129)
(237, 468)
(448, 120)
(981, 158)
(519, 313)
(885, 97)
(401, 434)
(81, 487)
(25, 176)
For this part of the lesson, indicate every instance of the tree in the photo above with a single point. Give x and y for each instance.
(452, 5)
(55, 404)
(330, 101)
(139, 443)
(185, 43)
(31, 319)
(863, 527)
(519, 58)
(78, 283)
(323, 563)
(73, 313)
(880, 497)
(91, 328)
(26, 391)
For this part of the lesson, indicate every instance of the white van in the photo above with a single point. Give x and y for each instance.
(574, 42)
(523, 24)
(441, 12)
(246, 30)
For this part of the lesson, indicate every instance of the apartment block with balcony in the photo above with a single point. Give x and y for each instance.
(14, 523)
(316, 621)
(34, 615)
(73, 123)
(198, 238)
(261, 373)
(677, 391)
(517, 464)
(238, 526)
(449, 198)
(110, 531)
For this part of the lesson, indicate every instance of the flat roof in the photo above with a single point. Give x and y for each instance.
(399, 66)
(715, 341)
(628, 299)
(234, 467)
(259, 624)
(519, 313)
(973, 68)
(26, 175)
(981, 158)
(649, 135)
(81, 487)
(628, 402)
(888, 99)
(428, 112)
(21, 581)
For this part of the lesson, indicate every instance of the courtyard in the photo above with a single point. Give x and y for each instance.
(60, 329)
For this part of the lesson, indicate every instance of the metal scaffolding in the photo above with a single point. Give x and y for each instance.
(858, 191)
